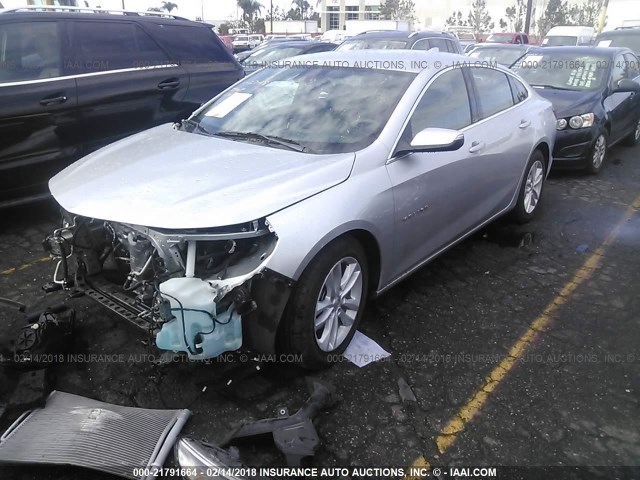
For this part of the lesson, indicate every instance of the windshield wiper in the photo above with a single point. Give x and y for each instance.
(554, 87)
(271, 139)
(195, 125)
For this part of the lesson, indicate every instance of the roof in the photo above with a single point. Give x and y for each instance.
(585, 50)
(412, 61)
(621, 31)
(400, 34)
(39, 12)
(508, 46)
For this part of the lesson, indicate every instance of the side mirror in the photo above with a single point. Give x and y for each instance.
(437, 140)
(626, 85)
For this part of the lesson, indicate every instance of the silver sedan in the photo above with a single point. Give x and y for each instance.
(267, 218)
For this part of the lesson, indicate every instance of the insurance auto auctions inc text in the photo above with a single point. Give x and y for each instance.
(360, 472)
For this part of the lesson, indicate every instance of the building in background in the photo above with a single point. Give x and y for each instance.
(431, 15)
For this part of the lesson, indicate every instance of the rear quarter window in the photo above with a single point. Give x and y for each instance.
(192, 45)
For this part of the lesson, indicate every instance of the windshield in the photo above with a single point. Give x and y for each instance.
(271, 55)
(629, 40)
(239, 38)
(500, 38)
(559, 41)
(373, 44)
(563, 70)
(319, 110)
(504, 56)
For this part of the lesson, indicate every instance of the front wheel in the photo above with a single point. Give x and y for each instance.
(634, 137)
(326, 306)
(531, 189)
(598, 154)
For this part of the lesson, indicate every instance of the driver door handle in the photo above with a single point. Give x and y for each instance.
(476, 147)
(525, 123)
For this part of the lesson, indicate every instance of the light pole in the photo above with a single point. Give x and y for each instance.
(271, 28)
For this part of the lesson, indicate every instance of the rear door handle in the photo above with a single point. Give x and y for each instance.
(476, 147)
(525, 123)
(46, 101)
(169, 84)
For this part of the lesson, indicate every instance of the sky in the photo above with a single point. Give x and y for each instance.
(213, 9)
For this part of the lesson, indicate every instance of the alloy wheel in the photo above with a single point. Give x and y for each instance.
(533, 186)
(599, 151)
(338, 304)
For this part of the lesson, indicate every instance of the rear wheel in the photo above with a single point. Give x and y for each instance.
(325, 309)
(598, 154)
(531, 189)
(634, 137)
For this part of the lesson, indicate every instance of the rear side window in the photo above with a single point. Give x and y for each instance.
(104, 46)
(518, 90)
(439, 43)
(494, 91)
(192, 45)
(29, 51)
(445, 104)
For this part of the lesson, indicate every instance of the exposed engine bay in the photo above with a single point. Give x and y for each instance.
(188, 288)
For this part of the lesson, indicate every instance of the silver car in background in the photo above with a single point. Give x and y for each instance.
(270, 216)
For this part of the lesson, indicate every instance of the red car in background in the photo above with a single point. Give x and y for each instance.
(227, 39)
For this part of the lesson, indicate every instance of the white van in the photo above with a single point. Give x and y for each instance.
(569, 36)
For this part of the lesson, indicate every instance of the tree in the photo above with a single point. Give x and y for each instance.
(278, 14)
(585, 13)
(456, 19)
(302, 6)
(168, 6)
(249, 9)
(293, 14)
(479, 19)
(397, 10)
(556, 13)
(515, 17)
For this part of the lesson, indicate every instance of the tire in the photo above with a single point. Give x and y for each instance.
(311, 303)
(634, 137)
(598, 153)
(531, 189)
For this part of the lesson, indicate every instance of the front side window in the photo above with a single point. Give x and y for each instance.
(633, 65)
(29, 51)
(493, 89)
(445, 104)
(318, 110)
(104, 46)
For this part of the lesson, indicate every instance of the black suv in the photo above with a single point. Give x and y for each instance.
(73, 81)
(628, 37)
(393, 39)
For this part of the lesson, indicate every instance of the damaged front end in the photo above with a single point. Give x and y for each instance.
(189, 288)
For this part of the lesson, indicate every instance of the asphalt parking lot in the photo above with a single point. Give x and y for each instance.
(520, 347)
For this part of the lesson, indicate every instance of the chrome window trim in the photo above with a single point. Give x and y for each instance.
(84, 75)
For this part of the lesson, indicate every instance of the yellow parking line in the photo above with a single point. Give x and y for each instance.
(420, 463)
(25, 266)
(457, 424)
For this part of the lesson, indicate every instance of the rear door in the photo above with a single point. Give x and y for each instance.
(126, 81)
(200, 52)
(38, 120)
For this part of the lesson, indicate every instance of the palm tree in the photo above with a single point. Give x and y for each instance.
(168, 6)
(249, 9)
(302, 6)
